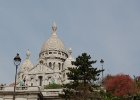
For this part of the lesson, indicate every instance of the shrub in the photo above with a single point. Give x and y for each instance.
(53, 86)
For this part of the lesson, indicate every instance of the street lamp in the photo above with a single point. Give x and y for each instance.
(17, 61)
(102, 61)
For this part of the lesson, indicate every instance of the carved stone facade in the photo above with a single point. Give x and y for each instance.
(54, 60)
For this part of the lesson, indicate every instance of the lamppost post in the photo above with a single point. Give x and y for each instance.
(102, 61)
(17, 61)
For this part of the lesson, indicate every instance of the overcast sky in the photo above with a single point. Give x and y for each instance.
(105, 29)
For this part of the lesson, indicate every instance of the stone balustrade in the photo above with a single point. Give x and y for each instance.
(19, 88)
(52, 92)
(29, 93)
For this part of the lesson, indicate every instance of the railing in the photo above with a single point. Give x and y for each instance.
(19, 88)
(52, 92)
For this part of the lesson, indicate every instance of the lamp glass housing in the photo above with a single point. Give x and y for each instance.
(17, 60)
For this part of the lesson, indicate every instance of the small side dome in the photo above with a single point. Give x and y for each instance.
(27, 65)
(68, 62)
(53, 43)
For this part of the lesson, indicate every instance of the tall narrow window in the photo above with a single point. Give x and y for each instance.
(50, 64)
(40, 80)
(62, 66)
(53, 65)
(59, 65)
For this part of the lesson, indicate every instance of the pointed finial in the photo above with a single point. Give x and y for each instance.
(70, 51)
(54, 27)
(28, 53)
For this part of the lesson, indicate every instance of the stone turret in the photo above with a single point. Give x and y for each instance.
(25, 68)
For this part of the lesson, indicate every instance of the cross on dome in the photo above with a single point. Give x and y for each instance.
(54, 28)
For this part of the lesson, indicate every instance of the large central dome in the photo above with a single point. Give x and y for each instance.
(53, 43)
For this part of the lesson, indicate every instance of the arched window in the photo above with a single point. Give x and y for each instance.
(31, 78)
(53, 65)
(41, 61)
(50, 64)
(62, 54)
(59, 53)
(62, 66)
(59, 65)
(50, 52)
(40, 80)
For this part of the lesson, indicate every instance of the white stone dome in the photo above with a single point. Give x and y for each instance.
(53, 43)
(27, 65)
(68, 63)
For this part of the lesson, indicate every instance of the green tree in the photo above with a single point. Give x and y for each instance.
(82, 77)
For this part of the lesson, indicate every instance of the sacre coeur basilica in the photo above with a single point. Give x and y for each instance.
(51, 68)
(54, 59)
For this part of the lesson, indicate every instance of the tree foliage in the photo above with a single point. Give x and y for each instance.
(82, 77)
(120, 85)
(53, 86)
(137, 82)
